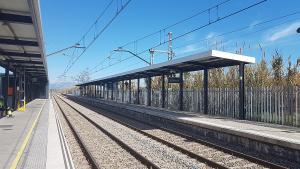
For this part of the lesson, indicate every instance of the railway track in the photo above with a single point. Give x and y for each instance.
(213, 155)
(102, 149)
(159, 154)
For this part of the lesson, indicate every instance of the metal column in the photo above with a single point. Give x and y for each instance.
(112, 90)
(163, 91)
(148, 91)
(129, 85)
(106, 89)
(242, 90)
(5, 87)
(181, 90)
(95, 88)
(100, 91)
(14, 91)
(138, 91)
(122, 90)
(205, 94)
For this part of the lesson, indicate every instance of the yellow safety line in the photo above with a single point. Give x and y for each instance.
(25, 142)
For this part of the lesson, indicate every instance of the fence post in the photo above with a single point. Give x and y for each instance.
(149, 91)
(205, 94)
(138, 90)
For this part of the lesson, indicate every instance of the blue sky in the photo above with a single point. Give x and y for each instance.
(64, 22)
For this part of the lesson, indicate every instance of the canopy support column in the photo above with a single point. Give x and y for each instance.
(112, 90)
(205, 94)
(149, 91)
(163, 91)
(129, 86)
(5, 87)
(242, 90)
(138, 90)
(181, 90)
(122, 90)
(14, 91)
(107, 93)
(95, 88)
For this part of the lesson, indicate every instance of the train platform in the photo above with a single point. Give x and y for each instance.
(265, 138)
(33, 139)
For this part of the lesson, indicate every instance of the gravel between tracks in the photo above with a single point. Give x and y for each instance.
(220, 157)
(79, 160)
(162, 155)
(106, 152)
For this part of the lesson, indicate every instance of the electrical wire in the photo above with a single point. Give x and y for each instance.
(165, 28)
(226, 33)
(73, 61)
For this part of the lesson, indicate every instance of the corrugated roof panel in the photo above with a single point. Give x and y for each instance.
(23, 30)
(15, 5)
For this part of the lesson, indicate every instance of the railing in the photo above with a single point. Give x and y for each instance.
(280, 105)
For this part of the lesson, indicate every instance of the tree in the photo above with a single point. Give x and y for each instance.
(156, 83)
(198, 79)
(82, 77)
(277, 68)
(291, 76)
(261, 74)
(232, 80)
(216, 77)
(249, 76)
(188, 80)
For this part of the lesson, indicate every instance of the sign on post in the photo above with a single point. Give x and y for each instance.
(173, 80)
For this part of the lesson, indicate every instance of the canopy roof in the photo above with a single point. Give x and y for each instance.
(21, 38)
(206, 60)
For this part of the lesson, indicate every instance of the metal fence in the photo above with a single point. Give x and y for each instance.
(280, 105)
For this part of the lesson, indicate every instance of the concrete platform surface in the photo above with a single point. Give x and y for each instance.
(31, 139)
(285, 136)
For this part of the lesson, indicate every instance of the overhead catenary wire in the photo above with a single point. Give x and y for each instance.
(246, 27)
(201, 27)
(96, 36)
(223, 34)
(164, 29)
(176, 23)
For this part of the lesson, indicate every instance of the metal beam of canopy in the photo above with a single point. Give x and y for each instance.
(15, 18)
(33, 55)
(23, 61)
(18, 42)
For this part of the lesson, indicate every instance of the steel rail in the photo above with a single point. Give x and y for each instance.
(200, 141)
(137, 155)
(83, 147)
(169, 144)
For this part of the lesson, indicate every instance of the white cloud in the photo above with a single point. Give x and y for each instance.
(283, 32)
(210, 35)
(190, 37)
(253, 24)
(189, 49)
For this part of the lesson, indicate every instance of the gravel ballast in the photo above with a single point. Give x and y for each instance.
(105, 151)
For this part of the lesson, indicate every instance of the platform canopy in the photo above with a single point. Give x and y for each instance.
(206, 60)
(21, 38)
